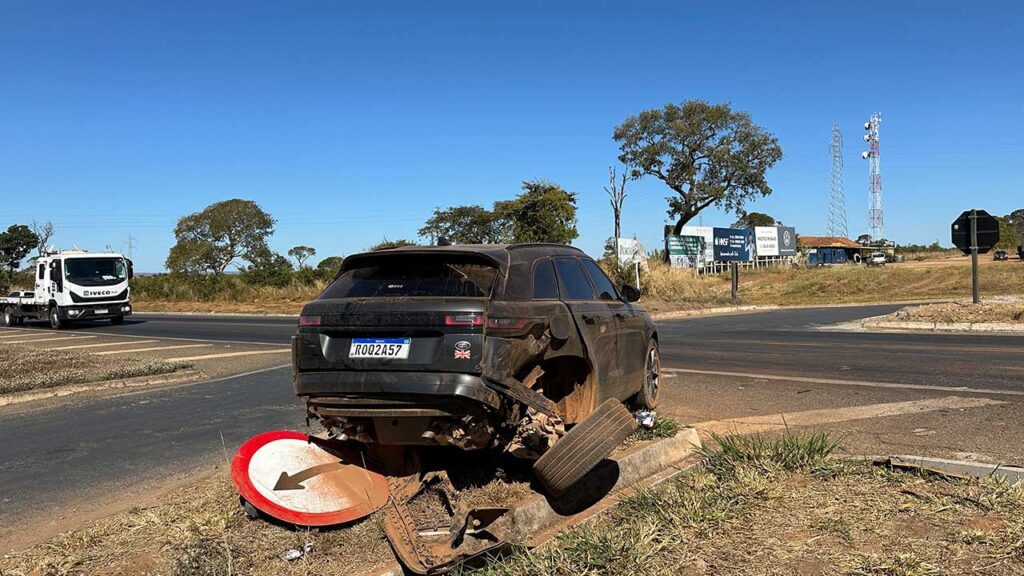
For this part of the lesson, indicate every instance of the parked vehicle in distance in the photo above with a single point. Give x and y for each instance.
(876, 259)
(73, 285)
(1000, 255)
(477, 346)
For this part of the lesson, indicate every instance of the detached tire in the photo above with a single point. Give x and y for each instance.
(583, 447)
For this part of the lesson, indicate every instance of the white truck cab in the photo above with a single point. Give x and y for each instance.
(74, 285)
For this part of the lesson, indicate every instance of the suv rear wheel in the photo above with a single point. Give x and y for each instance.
(584, 446)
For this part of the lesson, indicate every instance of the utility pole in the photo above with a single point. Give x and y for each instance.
(873, 156)
(837, 197)
(974, 257)
(131, 245)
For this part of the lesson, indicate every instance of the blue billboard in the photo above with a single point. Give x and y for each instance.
(733, 244)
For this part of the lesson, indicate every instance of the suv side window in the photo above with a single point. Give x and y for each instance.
(545, 285)
(575, 285)
(605, 289)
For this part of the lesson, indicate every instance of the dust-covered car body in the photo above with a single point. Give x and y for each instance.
(465, 345)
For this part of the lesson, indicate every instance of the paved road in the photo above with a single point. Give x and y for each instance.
(59, 458)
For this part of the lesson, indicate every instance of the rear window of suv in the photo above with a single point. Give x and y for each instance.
(414, 277)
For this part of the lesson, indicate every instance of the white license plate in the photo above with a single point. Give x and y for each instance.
(396, 348)
(101, 310)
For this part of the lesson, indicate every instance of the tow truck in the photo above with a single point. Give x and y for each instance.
(73, 285)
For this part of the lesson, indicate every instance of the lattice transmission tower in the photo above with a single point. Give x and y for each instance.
(837, 197)
(872, 155)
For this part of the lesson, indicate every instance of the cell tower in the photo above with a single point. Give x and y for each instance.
(837, 198)
(872, 155)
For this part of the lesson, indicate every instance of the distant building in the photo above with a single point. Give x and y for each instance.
(838, 250)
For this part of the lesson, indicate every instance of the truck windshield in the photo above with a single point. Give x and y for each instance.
(398, 277)
(95, 271)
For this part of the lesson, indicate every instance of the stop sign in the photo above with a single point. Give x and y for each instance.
(988, 231)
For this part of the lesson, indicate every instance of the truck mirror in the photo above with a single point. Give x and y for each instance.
(131, 269)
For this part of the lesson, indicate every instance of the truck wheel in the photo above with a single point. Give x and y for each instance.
(55, 322)
(583, 447)
(647, 398)
(9, 320)
(117, 320)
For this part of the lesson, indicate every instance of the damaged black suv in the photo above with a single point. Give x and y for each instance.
(474, 346)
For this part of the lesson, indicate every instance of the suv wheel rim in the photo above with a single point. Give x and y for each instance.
(653, 368)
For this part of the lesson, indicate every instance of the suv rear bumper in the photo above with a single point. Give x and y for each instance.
(372, 393)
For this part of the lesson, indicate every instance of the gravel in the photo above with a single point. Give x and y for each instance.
(995, 309)
(28, 368)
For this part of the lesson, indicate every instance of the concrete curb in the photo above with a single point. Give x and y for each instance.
(538, 519)
(958, 468)
(67, 390)
(985, 327)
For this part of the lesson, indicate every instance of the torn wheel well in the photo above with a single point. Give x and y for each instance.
(569, 382)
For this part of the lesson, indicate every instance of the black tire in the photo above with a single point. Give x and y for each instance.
(9, 320)
(55, 322)
(117, 320)
(584, 446)
(647, 398)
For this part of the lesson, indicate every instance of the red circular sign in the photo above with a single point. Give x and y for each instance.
(286, 476)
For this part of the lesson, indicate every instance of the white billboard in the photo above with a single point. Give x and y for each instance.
(767, 240)
(631, 251)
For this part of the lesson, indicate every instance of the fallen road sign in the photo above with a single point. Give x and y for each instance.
(306, 481)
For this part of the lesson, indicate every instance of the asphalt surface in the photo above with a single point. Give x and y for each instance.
(60, 458)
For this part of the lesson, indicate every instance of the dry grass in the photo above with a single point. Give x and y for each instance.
(28, 368)
(997, 309)
(782, 507)
(200, 531)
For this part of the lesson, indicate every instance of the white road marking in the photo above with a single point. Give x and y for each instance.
(44, 340)
(753, 424)
(104, 344)
(838, 382)
(228, 355)
(155, 348)
(23, 333)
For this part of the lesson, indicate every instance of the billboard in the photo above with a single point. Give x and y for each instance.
(705, 232)
(733, 245)
(685, 251)
(787, 241)
(630, 251)
(767, 240)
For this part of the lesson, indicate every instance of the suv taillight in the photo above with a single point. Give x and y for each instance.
(309, 320)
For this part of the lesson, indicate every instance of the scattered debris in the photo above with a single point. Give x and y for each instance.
(297, 553)
(645, 418)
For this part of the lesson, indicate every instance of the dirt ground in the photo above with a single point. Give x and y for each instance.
(1009, 309)
(24, 367)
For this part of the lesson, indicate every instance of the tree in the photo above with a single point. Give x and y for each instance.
(707, 154)
(15, 244)
(543, 212)
(43, 231)
(386, 244)
(616, 191)
(463, 225)
(268, 269)
(1015, 220)
(755, 219)
(1009, 237)
(301, 254)
(211, 240)
(328, 267)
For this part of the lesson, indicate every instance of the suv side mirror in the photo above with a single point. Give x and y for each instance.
(630, 293)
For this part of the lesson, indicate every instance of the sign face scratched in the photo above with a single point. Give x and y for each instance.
(287, 476)
(631, 251)
(708, 234)
(988, 231)
(733, 245)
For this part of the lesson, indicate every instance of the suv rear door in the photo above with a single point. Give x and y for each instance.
(596, 322)
(631, 341)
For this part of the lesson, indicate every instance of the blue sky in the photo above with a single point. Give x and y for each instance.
(351, 121)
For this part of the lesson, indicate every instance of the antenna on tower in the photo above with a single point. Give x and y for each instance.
(872, 155)
(837, 197)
